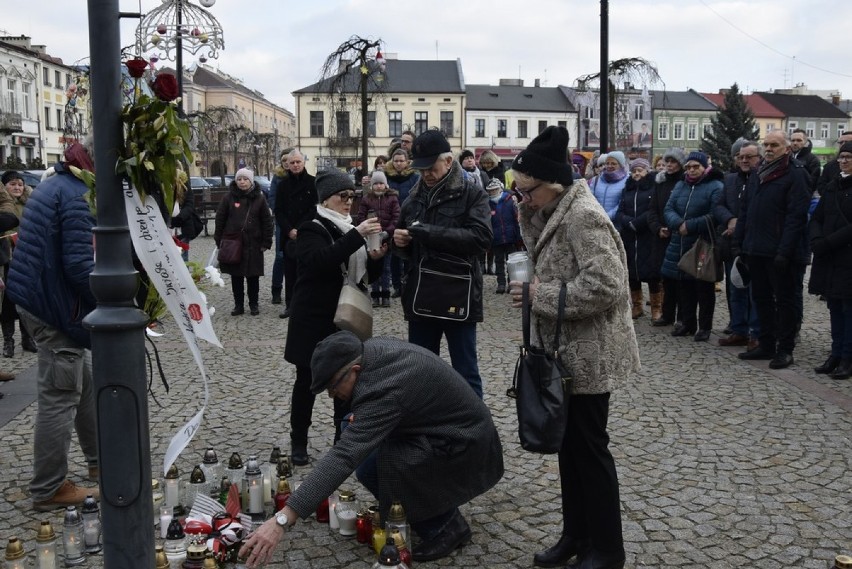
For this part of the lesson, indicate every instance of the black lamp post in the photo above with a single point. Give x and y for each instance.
(117, 327)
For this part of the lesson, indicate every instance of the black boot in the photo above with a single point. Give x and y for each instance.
(375, 296)
(386, 299)
(238, 310)
(453, 535)
(276, 295)
(843, 371)
(8, 347)
(558, 555)
(829, 365)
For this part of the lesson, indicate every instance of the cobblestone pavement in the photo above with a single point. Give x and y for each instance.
(722, 463)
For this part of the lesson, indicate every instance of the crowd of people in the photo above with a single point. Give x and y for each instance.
(429, 224)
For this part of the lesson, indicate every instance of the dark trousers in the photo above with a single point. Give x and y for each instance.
(368, 475)
(670, 308)
(775, 296)
(591, 507)
(302, 408)
(398, 268)
(840, 313)
(289, 271)
(238, 288)
(693, 295)
(500, 253)
(461, 343)
(278, 263)
(653, 286)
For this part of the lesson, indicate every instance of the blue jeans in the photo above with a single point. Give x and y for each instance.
(840, 314)
(742, 311)
(368, 475)
(461, 342)
(384, 280)
(278, 264)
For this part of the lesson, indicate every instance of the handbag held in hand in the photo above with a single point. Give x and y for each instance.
(700, 261)
(541, 387)
(354, 310)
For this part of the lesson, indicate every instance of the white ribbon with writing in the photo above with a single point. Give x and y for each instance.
(161, 259)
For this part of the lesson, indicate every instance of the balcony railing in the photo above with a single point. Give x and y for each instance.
(344, 141)
(10, 122)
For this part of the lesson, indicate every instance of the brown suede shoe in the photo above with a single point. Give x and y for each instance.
(69, 494)
(733, 340)
(752, 344)
(94, 471)
(6, 376)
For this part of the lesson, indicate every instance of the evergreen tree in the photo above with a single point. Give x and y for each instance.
(734, 120)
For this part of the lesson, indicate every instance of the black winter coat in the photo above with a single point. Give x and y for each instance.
(632, 219)
(774, 215)
(456, 221)
(728, 208)
(829, 173)
(247, 214)
(321, 248)
(811, 164)
(295, 201)
(663, 186)
(831, 241)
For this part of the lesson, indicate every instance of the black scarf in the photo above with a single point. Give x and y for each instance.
(769, 171)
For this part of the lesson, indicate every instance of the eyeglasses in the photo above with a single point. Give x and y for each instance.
(526, 193)
(332, 390)
(844, 158)
(346, 196)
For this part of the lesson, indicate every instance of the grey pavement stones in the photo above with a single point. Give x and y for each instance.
(722, 463)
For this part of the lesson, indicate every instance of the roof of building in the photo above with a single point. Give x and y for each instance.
(402, 76)
(803, 106)
(689, 100)
(845, 105)
(759, 106)
(517, 98)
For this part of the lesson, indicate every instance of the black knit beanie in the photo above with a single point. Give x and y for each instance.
(546, 157)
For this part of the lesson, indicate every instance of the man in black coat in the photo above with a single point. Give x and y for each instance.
(417, 434)
(295, 203)
(772, 229)
(832, 168)
(800, 148)
(743, 317)
(446, 220)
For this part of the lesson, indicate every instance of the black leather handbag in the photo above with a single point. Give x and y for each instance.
(541, 387)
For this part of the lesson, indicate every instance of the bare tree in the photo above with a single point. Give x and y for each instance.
(352, 69)
(210, 131)
(622, 74)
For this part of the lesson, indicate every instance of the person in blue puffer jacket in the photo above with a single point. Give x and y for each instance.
(688, 214)
(609, 185)
(504, 223)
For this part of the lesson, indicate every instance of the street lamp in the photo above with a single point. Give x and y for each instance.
(178, 25)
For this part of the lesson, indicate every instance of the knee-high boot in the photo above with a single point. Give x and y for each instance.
(8, 327)
(656, 305)
(638, 303)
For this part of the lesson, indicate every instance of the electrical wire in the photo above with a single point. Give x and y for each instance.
(769, 47)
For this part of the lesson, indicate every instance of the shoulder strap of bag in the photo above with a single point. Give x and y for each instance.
(343, 268)
(525, 315)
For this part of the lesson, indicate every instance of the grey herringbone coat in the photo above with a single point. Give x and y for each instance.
(437, 445)
(580, 247)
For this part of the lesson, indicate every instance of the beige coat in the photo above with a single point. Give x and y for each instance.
(580, 247)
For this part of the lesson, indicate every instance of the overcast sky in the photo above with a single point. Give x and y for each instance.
(278, 46)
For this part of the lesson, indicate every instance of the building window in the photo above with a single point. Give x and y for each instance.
(479, 128)
(57, 79)
(371, 123)
(563, 124)
(447, 123)
(589, 113)
(541, 126)
(841, 128)
(59, 123)
(677, 131)
(810, 129)
(342, 123)
(47, 118)
(501, 128)
(12, 86)
(45, 76)
(692, 131)
(708, 130)
(421, 122)
(522, 129)
(825, 128)
(639, 111)
(769, 128)
(663, 131)
(317, 123)
(394, 123)
(67, 80)
(25, 89)
(791, 126)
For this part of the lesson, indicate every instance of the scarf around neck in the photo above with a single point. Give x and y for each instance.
(612, 177)
(769, 171)
(357, 266)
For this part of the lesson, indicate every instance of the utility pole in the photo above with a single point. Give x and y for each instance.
(604, 89)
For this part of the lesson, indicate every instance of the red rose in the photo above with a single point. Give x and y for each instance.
(136, 67)
(165, 87)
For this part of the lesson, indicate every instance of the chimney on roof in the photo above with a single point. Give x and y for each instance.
(538, 82)
(835, 99)
(511, 82)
